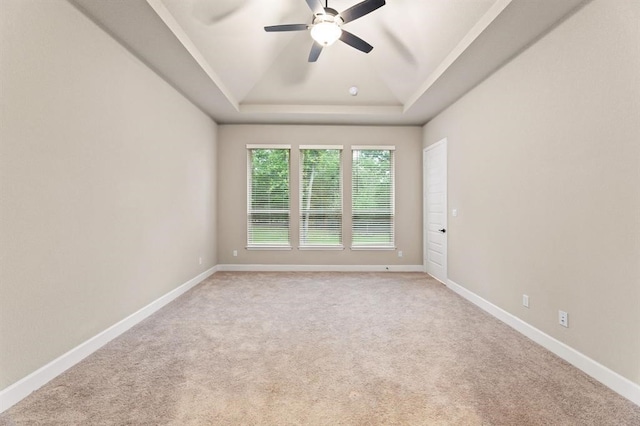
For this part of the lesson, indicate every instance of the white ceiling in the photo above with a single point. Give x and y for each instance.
(427, 54)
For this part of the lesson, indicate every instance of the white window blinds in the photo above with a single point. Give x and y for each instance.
(373, 197)
(268, 206)
(321, 197)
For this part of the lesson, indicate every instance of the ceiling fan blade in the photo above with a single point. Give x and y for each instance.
(355, 42)
(315, 6)
(286, 27)
(316, 49)
(361, 9)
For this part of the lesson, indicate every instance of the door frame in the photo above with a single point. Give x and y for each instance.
(425, 226)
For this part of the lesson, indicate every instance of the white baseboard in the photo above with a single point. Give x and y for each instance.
(321, 268)
(22, 388)
(19, 390)
(604, 375)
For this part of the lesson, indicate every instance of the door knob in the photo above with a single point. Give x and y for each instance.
(442, 230)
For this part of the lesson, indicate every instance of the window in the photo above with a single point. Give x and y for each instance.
(268, 207)
(320, 197)
(373, 201)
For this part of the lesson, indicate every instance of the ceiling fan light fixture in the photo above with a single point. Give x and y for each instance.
(326, 32)
(326, 26)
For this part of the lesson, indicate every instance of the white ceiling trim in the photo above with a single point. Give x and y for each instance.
(496, 9)
(322, 109)
(188, 44)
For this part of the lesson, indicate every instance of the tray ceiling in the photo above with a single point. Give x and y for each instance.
(427, 53)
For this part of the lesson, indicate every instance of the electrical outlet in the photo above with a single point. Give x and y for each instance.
(235, 253)
(525, 300)
(400, 253)
(563, 318)
(200, 260)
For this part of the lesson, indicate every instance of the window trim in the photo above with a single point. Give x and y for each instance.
(373, 148)
(340, 147)
(269, 247)
(320, 247)
(374, 248)
(392, 245)
(248, 211)
(269, 146)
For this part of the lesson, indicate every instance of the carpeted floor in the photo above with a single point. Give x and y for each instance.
(322, 349)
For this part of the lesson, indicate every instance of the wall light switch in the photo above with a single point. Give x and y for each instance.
(454, 212)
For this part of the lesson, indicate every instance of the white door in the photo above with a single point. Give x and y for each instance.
(435, 210)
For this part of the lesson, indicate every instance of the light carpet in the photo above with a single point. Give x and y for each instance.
(322, 349)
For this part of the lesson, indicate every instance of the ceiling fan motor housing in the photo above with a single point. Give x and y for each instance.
(330, 12)
(330, 15)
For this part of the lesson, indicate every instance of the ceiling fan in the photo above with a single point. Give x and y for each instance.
(326, 27)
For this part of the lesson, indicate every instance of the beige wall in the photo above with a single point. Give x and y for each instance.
(107, 181)
(544, 168)
(232, 198)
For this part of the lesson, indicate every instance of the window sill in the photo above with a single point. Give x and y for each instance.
(281, 248)
(304, 248)
(376, 248)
